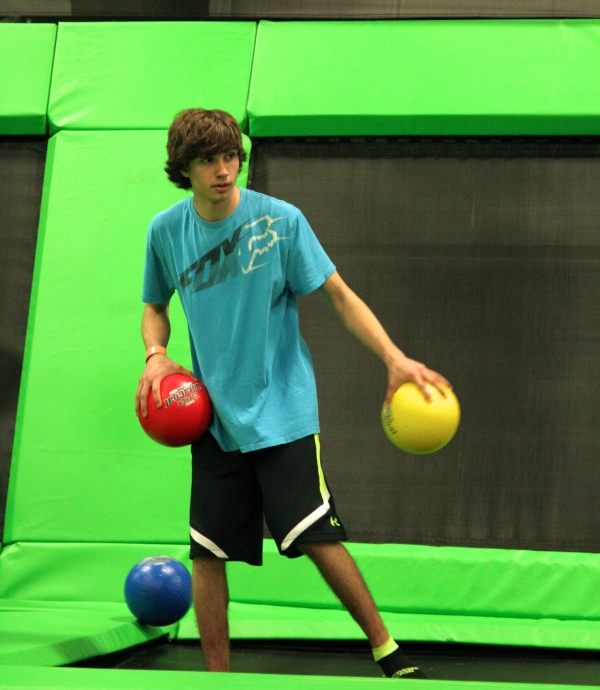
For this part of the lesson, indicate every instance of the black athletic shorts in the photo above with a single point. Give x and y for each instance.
(231, 490)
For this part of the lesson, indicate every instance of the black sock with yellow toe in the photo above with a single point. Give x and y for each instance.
(394, 664)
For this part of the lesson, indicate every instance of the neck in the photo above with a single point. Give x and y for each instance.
(213, 212)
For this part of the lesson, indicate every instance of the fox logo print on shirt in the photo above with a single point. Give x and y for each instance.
(223, 262)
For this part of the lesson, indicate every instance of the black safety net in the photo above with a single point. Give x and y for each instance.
(255, 10)
(21, 176)
(481, 258)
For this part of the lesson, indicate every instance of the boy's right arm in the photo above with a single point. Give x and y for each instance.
(156, 330)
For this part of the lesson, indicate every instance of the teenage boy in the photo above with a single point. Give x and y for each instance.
(238, 259)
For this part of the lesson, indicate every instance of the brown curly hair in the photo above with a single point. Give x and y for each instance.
(197, 133)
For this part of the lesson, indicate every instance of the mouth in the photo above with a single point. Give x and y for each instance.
(221, 187)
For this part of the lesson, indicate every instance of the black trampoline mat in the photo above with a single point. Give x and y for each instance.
(482, 259)
(439, 661)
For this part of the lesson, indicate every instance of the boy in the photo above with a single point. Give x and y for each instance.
(238, 259)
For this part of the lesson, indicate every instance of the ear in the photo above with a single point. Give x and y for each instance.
(185, 173)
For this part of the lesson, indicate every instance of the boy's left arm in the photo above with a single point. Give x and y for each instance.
(362, 323)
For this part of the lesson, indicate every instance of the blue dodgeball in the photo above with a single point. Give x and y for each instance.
(158, 590)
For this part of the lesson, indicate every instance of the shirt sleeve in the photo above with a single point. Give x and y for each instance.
(308, 265)
(157, 288)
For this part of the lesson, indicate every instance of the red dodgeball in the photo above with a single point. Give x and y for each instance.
(185, 412)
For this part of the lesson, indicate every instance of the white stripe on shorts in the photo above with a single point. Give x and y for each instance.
(207, 543)
(307, 522)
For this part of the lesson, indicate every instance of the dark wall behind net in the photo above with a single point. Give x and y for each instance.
(485, 265)
(21, 175)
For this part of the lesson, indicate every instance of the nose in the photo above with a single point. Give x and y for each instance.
(222, 169)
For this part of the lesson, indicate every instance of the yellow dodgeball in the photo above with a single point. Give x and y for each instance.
(419, 427)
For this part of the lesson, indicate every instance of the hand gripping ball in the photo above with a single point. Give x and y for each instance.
(184, 415)
(419, 427)
(158, 590)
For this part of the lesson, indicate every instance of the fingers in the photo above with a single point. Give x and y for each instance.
(141, 399)
(421, 381)
(438, 381)
(390, 394)
(421, 375)
(156, 391)
(137, 401)
(151, 380)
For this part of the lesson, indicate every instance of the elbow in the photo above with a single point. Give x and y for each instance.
(156, 309)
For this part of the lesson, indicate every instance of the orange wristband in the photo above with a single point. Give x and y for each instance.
(155, 350)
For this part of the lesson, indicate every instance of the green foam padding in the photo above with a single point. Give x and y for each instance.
(260, 621)
(436, 77)
(24, 678)
(51, 634)
(26, 52)
(404, 579)
(75, 572)
(407, 578)
(82, 468)
(137, 75)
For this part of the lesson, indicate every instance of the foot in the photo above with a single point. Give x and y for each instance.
(396, 665)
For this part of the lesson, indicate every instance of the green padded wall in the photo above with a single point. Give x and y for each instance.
(443, 594)
(82, 468)
(137, 75)
(426, 77)
(75, 572)
(26, 52)
(403, 578)
(61, 598)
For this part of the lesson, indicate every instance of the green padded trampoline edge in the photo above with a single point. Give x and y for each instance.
(59, 633)
(255, 621)
(23, 125)
(400, 125)
(55, 634)
(27, 678)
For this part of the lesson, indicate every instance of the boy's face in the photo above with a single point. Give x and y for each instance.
(213, 178)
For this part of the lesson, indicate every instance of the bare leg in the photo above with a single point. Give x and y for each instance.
(211, 597)
(340, 572)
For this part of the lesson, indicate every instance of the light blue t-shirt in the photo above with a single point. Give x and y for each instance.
(238, 279)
